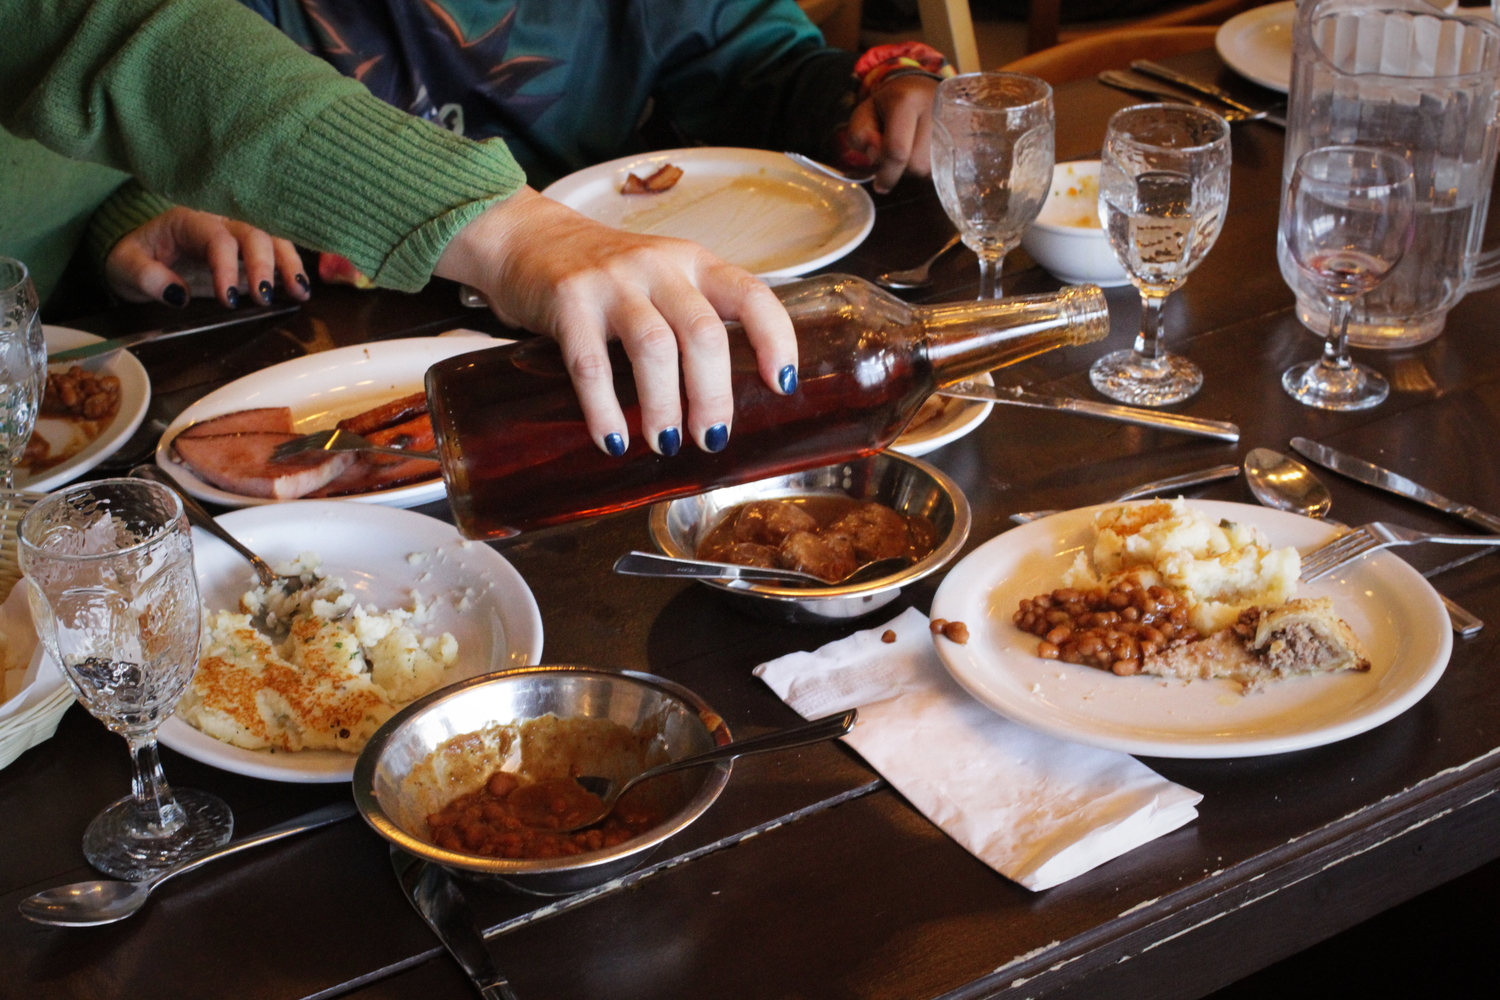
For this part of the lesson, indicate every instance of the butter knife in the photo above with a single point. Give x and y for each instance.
(432, 892)
(1141, 85)
(1170, 75)
(136, 339)
(1373, 475)
(1220, 429)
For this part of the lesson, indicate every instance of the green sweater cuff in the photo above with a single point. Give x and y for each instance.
(342, 193)
(130, 207)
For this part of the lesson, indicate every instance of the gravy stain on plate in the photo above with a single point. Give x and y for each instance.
(761, 223)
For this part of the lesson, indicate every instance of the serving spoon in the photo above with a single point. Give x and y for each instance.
(609, 791)
(105, 901)
(1283, 483)
(653, 564)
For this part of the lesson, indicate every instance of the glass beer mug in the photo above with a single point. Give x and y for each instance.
(1403, 76)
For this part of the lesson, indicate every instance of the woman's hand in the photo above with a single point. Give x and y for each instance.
(547, 268)
(174, 252)
(893, 127)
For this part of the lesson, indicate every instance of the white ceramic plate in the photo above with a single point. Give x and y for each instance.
(135, 398)
(321, 390)
(382, 554)
(958, 421)
(751, 207)
(1394, 611)
(1258, 44)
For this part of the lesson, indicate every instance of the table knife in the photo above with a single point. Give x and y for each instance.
(1151, 88)
(1170, 75)
(1373, 475)
(1220, 429)
(434, 895)
(136, 339)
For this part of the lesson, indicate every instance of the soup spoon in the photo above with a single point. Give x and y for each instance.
(89, 904)
(609, 791)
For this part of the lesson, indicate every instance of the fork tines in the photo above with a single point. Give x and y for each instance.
(1338, 553)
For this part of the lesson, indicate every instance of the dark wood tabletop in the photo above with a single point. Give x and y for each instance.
(810, 877)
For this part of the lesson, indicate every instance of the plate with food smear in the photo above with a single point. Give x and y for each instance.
(751, 207)
(1241, 660)
(393, 604)
(89, 409)
(220, 448)
(943, 420)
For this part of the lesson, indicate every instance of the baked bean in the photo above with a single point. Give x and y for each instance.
(1046, 650)
(1059, 635)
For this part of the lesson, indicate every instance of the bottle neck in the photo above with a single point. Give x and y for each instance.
(969, 338)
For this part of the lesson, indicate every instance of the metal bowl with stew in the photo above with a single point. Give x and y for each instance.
(906, 485)
(427, 779)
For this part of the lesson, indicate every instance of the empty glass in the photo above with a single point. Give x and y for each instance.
(1163, 189)
(1346, 221)
(992, 142)
(115, 601)
(23, 365)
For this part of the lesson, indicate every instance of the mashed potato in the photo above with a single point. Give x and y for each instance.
(1222, 567)
(342, 670)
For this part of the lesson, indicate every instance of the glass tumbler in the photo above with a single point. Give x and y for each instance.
(23, 365)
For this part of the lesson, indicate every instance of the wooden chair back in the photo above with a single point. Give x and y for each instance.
(1043, 28)
(1084, 57)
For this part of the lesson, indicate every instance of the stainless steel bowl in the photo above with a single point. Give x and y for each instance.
(895, 480)
(684, 724)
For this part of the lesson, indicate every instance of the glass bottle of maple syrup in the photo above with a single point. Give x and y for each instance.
(517, 455)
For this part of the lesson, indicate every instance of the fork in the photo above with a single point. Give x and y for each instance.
(1141, 85)
(1370, 537)
(341, 440)
(808, 163)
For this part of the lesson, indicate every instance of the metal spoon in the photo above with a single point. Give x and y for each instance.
(827, 728)
(654, 564)
(916, 277)
(89, 904)
(808, 163)
(1284, 483)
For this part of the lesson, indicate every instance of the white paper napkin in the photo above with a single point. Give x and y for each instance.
(1035, 808)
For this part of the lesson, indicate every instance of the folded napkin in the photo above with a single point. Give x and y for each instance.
(1035, 808)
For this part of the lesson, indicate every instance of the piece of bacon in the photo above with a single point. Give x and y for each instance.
(266, 420)
(414, 435)
(241, 463)
(658, 182)
(397, 411)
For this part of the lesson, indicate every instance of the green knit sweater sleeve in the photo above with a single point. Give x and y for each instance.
(130, 207)
(210, 106)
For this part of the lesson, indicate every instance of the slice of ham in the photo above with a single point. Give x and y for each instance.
(241, 463)
(267, 420)
(364, 476)
(397, 411)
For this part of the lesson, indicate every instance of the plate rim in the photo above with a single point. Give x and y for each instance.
(1233, 30)
(975, 413)
(194, 743)
(83, 462)
(402, 496)
(1429, 605)
(856, 195)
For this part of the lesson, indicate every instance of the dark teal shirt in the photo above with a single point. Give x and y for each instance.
(569, 83)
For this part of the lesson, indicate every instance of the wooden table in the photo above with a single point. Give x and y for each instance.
(810, 877)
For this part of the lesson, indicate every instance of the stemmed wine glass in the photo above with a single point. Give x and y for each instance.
(23, 365)
(992, 142)
(115, 600)
(1163, 188)
(1347, 221)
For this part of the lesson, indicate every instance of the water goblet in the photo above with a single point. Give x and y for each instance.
(1163, 189)
(115, 600)
(1347, 220)
(23, 365)
(992, 148)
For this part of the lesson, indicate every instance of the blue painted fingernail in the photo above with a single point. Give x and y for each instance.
(175, 295)
(614, 444)
(669, 441)
(788, 379)
(232, 296)
(716, 437)
(265, 292)
(302, 280)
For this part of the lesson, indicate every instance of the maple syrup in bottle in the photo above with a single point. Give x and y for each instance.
(517, 455)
